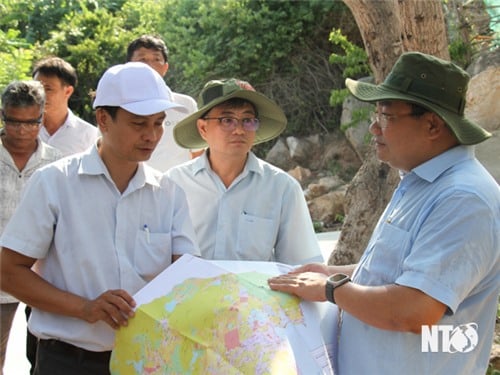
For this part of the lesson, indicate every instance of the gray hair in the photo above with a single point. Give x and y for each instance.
(23, 94)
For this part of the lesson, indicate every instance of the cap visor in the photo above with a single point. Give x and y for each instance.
(151, 107)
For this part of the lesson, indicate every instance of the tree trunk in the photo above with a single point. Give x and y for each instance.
(388, 28)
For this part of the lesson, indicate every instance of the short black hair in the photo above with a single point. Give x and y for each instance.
(110, 109)
(150, 42)
(55, 66)
(21, 94)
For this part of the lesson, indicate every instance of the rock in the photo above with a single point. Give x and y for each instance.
(323, 186)
(328, 208)
(484, 61)
(483, 98)
(300, 174)
(488, 153)
(279, 155)
(495, 356)
(338, 157)
(356, 130)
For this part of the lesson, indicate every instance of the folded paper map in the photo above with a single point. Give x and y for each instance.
(220, 317)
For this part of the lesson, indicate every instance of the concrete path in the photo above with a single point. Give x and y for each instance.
(16, 362)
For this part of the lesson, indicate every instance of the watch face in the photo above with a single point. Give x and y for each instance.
(338, 277)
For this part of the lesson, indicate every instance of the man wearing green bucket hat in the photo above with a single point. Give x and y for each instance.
(242, 208)
(423, 297)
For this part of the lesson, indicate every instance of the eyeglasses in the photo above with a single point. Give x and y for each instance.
(383, 119)
(228, 124)
(25, 124)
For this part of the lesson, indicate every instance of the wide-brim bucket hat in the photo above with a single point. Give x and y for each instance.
(272, 119)
(435, 84)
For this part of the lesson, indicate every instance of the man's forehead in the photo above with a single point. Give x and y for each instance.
(147, 51)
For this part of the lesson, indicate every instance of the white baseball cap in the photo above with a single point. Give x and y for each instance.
(135, 87)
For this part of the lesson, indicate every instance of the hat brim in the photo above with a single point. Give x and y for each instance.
(151, 107)
(272, 120)
(466, 131)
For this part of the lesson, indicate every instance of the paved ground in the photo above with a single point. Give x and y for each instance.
(16, 362)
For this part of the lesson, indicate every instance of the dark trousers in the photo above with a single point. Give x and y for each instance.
(31, 343)
(59, 358)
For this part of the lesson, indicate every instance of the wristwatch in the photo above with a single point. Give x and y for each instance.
(334, 281)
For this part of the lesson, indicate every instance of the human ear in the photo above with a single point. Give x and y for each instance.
(201, 124)
(68, 91)
(435, 125)
(102, 118)
(164, 69)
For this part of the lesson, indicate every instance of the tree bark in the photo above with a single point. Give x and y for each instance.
(388, 28)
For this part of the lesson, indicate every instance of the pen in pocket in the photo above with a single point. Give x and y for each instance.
(146, 229)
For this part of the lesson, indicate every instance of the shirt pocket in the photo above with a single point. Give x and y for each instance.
(385, 262)
(152, 253)
(256, 237)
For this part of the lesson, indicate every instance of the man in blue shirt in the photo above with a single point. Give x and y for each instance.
(423, 298)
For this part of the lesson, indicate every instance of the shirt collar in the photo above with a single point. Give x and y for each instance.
(253, 164)
(70, 119)
(433, 168)
(42, 149)
(92, 164)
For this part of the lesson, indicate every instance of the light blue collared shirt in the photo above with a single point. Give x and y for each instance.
(262, 216)
(440, 234)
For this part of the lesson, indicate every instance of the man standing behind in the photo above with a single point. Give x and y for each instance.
(21, 153)
(242, 207)
(96, 226)
(61, 128)
(152, 50)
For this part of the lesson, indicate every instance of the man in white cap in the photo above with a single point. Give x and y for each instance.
(97, 227)
(242, 207)
(424, 296)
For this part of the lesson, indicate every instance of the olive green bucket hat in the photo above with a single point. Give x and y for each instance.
(272, 119)
(435, 84)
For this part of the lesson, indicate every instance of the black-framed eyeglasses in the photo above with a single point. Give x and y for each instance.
(18, 124)
(228, 124)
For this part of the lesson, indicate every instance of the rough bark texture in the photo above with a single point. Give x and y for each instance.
(388, 28)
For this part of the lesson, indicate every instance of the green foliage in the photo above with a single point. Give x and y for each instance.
(492, 371)
(281, 47)
(318, 226)
(248, 39)
(460, 52)
(352, 59)
(15, 55)
(14, 15)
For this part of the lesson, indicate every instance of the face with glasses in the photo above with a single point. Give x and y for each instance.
(400, 137)
(21, 125)
(229, 129)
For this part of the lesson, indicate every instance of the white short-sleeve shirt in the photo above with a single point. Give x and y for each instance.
(12, 182)
(75, 135)
(168, 153)
(89, 238)
(262, 216)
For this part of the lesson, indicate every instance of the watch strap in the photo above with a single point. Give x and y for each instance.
(332, 285)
